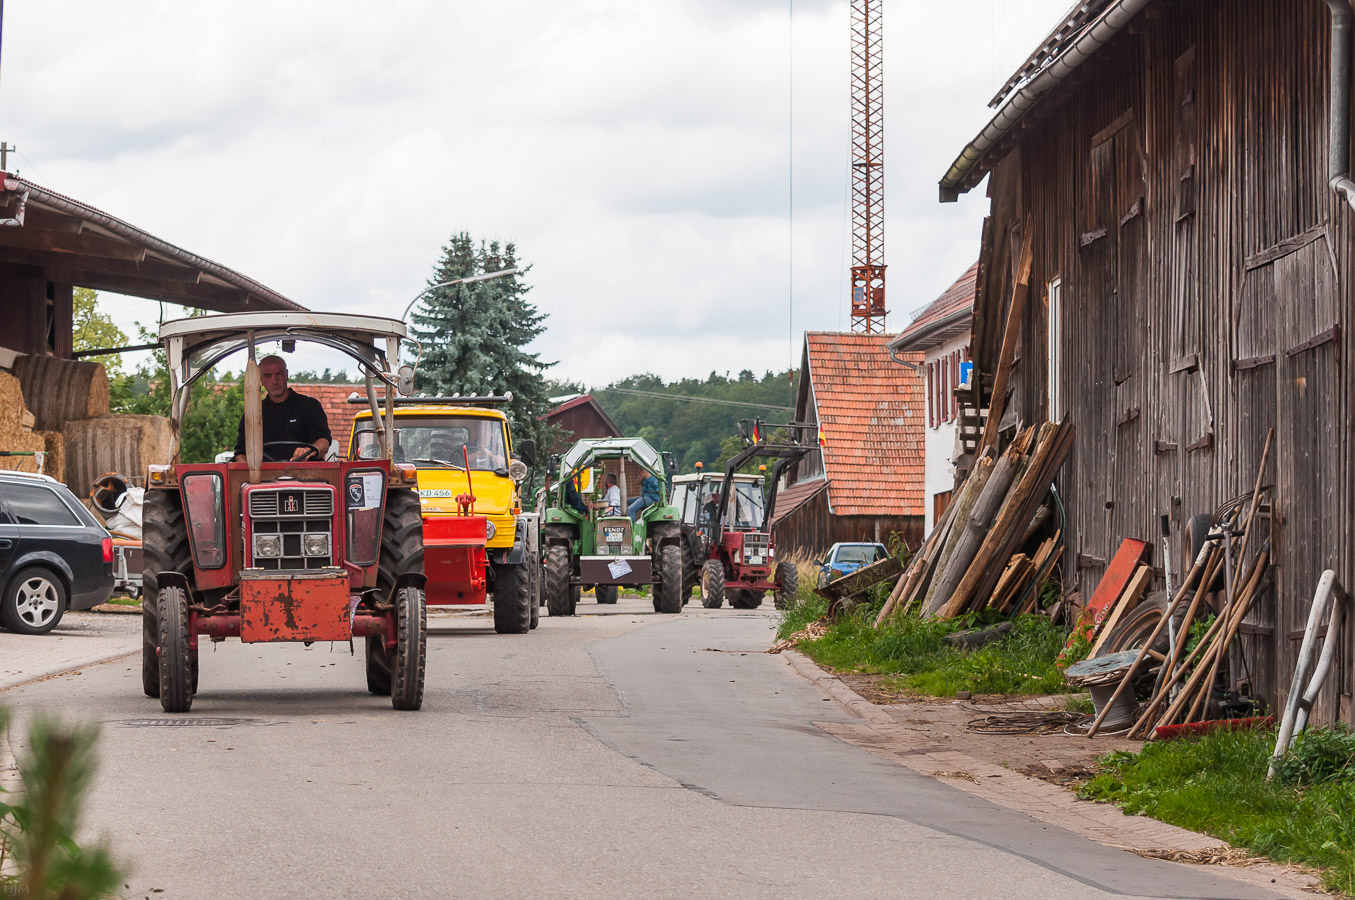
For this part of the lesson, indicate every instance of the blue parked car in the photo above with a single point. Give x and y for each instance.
(844, 559)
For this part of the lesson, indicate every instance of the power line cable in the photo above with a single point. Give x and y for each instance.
(691, 399)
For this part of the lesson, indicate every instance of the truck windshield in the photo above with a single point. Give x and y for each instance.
(442, 439)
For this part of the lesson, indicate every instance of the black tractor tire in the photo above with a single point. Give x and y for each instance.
(34, 601)
(755, 599)
(607, 593)
(712, 584)
(561, 597)
(668, 592)
(401, 540)
(378, 666)
(691, 572)
(176, 657)
(512, 599)
(164, 543)
(411, 649)
(787, 585)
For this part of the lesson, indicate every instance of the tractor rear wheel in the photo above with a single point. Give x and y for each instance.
(378, 666)
(712, 584)
(512, 599)
(668, 592)
(561, 597)
(787, 585)
(176, 662)
(164, 542)
(401, 540)
(606, 593)
(411, 649)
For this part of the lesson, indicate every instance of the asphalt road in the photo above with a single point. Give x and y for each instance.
(616, 755)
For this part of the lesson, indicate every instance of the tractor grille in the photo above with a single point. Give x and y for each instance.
(614, 537)
(755, 547)
(298, 517)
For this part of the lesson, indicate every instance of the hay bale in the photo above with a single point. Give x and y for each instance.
(114, 443)
(55, 464)
(62, 390)
(11, 411)
(28, 441)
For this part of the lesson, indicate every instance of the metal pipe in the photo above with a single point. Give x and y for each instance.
(1338, 138)
(1116, 16)
(916, 367)
(1304, 690)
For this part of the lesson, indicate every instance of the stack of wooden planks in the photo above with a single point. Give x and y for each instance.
(978, 555)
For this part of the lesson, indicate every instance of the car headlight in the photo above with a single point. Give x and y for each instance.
(315, 544)
(517, 470)
(490, 530)
(267, 545)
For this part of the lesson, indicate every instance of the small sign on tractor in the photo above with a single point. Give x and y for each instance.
(727, 547)
(276, 549)
(587, 544)
(477, 539)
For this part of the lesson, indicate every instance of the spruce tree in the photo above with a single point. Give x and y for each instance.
(475, 335)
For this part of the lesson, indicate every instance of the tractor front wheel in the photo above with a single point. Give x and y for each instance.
(411, 648)
(164, 542)
(606, 593)
(743, 599)
(668, 592)
(787, 585)
(712, 584)
(176, 657)
(378, 666)
(561, 598)
(512, 599)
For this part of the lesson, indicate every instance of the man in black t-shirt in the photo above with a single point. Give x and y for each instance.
(287, 416)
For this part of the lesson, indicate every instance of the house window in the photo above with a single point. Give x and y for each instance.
(1053, 356)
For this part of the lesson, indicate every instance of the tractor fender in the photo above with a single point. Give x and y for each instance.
(558, 535)
(665, 535)
(174, 579)
(408, 579)
(516, 554)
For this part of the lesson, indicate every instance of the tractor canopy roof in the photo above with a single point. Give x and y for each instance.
(195, 344)
(588, 450)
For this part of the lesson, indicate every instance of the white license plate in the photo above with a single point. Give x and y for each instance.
(613, 535)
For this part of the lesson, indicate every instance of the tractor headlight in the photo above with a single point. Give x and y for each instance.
(490, 530)
(315, 544)
(517, 470)
(267, 545)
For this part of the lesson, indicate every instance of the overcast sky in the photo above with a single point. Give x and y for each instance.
(637, 152)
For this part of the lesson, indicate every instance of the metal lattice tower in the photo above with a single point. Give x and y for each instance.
(868, 211)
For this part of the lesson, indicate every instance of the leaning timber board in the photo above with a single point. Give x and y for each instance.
(1118, 575)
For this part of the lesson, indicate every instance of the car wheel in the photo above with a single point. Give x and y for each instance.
(34, 601)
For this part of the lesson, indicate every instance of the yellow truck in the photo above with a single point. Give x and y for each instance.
(468, 470)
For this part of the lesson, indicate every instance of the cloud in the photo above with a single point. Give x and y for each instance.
(637, 152)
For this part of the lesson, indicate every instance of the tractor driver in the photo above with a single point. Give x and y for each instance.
(287, 415)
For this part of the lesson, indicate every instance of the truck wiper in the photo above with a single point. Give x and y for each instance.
(439, 462)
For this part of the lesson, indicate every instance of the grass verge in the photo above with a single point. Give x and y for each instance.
(914, 651)
(1217, 784)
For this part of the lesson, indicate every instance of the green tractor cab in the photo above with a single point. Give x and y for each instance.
(585, 543)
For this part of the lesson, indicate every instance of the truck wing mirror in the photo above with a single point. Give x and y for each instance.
(527, 450)
(404, 380)
(669, 463)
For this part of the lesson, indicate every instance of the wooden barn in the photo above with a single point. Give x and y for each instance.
(865, 482)
(1172, 168)
(580, 417)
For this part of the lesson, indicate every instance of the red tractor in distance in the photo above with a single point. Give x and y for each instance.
(276, 550)
(737, 548)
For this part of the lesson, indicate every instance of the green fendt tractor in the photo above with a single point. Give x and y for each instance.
(583, 543)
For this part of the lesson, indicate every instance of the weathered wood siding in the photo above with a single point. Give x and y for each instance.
(811, 529)
(1179, 191)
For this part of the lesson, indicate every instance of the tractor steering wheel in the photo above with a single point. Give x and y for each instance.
(268, 457)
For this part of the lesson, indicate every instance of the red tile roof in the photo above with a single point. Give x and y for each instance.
(334, 398)
(870, 411)
(924, 333)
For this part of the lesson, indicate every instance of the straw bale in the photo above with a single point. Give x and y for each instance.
(55, 463)
(114, 443)
(29, 441)
(11, 411)
(62, 390)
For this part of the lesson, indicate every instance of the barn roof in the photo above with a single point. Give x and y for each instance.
(870, 413)
(946, 317)
(74, 243)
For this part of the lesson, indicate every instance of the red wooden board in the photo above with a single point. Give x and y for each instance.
(1116, 579)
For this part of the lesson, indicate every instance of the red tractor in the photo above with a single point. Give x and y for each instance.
(293, 550)
(735, 550)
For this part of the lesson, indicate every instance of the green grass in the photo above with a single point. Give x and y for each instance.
(123, 600)
(1217, 784)
(914, 651)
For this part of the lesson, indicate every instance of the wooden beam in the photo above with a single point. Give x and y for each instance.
(204, 296)
(60, 267)
(51, 220)
(75, 244)
(1011, 333)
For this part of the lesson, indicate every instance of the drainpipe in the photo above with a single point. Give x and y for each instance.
(17, 220)
(1338, 141)
(893, 354)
